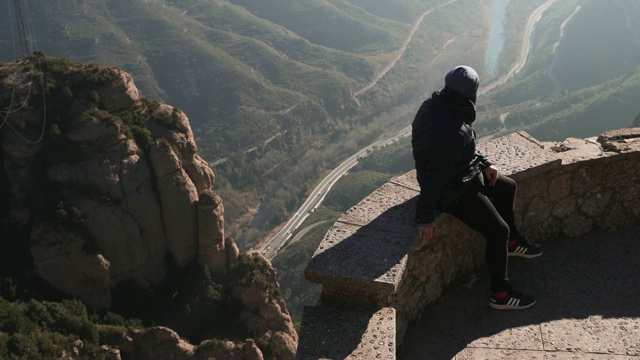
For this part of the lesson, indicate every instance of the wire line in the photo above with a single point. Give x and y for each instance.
(11, 110)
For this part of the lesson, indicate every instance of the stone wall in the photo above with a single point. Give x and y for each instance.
(370, 260)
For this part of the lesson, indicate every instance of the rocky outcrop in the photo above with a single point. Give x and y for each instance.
(163, 343)
(111, 188)
(113, 192)
(264, 310)
(178, 198)
(214, 249)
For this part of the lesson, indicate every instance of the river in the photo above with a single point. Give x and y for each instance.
(497, 12)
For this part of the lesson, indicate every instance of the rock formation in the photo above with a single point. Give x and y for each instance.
(128, 202)
(163, 343)
(112, 191)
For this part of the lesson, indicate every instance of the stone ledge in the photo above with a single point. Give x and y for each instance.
(390, 200)
(573, 150)
(343, 264)
(621, 141)
(383, 224)
(338, 333)
(407, 180)
(521, 154)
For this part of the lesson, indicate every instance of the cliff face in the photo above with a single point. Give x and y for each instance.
(102, 207)
(104, 187)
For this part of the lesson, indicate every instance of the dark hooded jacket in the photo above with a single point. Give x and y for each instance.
(444, 150)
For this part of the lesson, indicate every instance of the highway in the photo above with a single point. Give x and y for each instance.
(318, 194)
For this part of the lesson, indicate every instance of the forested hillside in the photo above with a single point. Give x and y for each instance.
(269, 86)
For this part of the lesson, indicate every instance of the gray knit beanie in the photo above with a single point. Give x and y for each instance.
(464, 80)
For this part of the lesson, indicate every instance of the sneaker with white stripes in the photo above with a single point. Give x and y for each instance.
(513, 301)
(522, 249)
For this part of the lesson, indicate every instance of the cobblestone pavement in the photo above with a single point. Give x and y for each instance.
(588, 307)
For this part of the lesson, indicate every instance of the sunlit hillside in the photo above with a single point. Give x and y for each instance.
(276, 91)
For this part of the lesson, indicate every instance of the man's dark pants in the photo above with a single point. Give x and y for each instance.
(490, 212)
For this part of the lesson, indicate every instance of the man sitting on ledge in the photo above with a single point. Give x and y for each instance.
(457, 179)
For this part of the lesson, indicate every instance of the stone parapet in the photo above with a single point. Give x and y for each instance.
(370, 258)
(362, 257)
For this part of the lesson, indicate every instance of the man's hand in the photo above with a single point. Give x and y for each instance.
(426, 231)
(490, 174)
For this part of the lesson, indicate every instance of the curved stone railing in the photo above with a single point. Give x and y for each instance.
(376, 279)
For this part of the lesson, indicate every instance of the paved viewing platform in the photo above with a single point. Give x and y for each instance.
(387, 296)
(588, 292)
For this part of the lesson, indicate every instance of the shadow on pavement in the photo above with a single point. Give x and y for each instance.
(580, 285)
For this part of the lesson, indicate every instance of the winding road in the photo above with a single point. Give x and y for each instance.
(317, 196)
(400, 51)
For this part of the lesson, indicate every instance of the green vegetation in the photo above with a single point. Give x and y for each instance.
(34, 329)
(190, 301)
(348, 29)
(268, 87)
